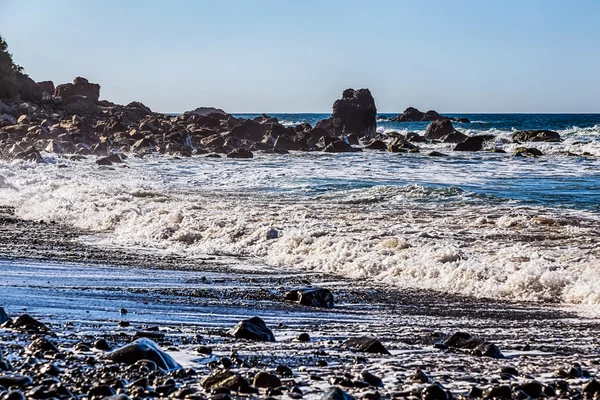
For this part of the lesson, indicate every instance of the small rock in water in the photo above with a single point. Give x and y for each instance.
(434, 392)
(101, 344)
(26, 323)
(143, 349)
(315, 297)
(266, 380)
(204, 350)
(124, 324)
(3, 316)
(123, 311)
(252, 329)
(463, 340)
(420, 376)
(509, 370)
(43, 345)
(370, 378)
(335, 393)
(272, 233)
(227, 379)
(366, 344)
(498, 393)
(303, 337)
(284, 371)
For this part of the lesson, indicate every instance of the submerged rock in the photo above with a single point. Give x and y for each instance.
(226, 379)
(527, 152)
(143, 349)
(266, 380)
(366, 344)
(240, 153)
(315, 297)
(335, 393)
(3, 316)
(473, 143)
(252, 329)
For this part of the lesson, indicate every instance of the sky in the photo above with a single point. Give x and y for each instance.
(271, 56)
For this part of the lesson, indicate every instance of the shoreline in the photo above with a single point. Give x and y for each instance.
(184, 308)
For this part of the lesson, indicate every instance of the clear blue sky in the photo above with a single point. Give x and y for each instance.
(298, 56)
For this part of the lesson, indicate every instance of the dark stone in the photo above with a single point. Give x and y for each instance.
(204, 350)
(80, 105)
(433, 115)
(101, 391)
(252, 329)
(509, 370)
(43, 345)
(339, 146)
(376, 145)
(26, 323)
(463, 340)
(454, 137)
(3, 316)
(285, 143)
(284, 371)
(266, 380)
(240, 153)
(79, 87)
(533, 389)
(366, 344)
(15, 395)
(303, 337)
(47, 87)
(400, 145)
(434, 392)
(370, 378)
(415, 138)
(473, 143)
(354, 113)
(148, 334)
(420, 376)
(315, 297)
(527, 152)
(227, 379)
(249, 130)
(411, 114)
(536, 136)
(591, 388)
(15, 380)
(437, 154)
(143, 349)
(463, 120)
(28, 89)
(439, 129)
(498, 393)
(335, 393)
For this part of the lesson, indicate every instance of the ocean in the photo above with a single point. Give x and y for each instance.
(478, 224)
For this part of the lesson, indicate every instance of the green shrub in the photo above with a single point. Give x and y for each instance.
(9, 72)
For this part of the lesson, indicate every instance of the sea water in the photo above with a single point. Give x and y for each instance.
(479, 224)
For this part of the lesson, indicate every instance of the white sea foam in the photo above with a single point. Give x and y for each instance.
(342, 214)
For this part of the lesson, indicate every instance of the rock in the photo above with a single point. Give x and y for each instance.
(3, 316)
(110, 160)
(284, 371)
(509, 370)
(339, 146)
(315, 297)
(370, 378)
(285, 143)
(335, 393)
(536, 136)
(534, 389)
(366, 344)
(225, 379)
(354, 113)
(591, 388)
(249, 130)
(527, 152)
(252, 329)
(240, 153)
(411, 114)
(437, 154)
(376, 145)
(420, 376)
(434, 392)
(473, 143)
(15, 395)
(15, 380)
(206, 111)
(454, 137)
(79, 87)
(101, 344)
(439, 129)
(303, 337)
(432, 115)
(463, 120)
(266, 380)
(26, 323)
(415, 138)
(80, 105)
(43, 345)
(143, 349)
(498, 393)
(46, 87)
(101, 391)
(28, 89)
(463, 340)
(400, 145)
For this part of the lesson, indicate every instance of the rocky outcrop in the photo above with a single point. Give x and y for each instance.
(206, 111)
(412, 114)
(252, 329)
(438, 129)
(80, 105)
(355, 113)
(28, 89)
(79, 87)
(47, 87)
(143, 349)
(536, 136)
(473, 143)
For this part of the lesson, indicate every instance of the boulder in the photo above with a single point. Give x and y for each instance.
(43, 345)
(366, 344)
(252, 329)
(15, 380)
(354, 113)
(432, 115)
(339, 146)
(225, 379)
(249, 130)
(415, 138)
(411, 114)
(240, 153)
(315, 297)
(3, 316)
(47, 87)
(79, 87)
(266, 380)
(205, 111)
(285, 143)
(464, 340)
(439, 129)
(335, 393)
(376, 144)
(536, 136)
(143, 349)
(454, 137)
(473, 143)
(28, 89)
(77, 104)
(26, 323)
(527, 152)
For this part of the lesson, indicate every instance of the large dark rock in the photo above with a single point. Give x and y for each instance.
(366, 344)
(26, 323)
(47, 87)
(432, 115)
(252, 329)
(266, 380)
(335, 393)
(473, 143)
(143, 349)
(226, 379)
(285, 143)
(80, 105)
(240, 153)
(79, 87)
(28, 89)
(3, 316)
(536, 136)
(454, 137)
(411, 114)
(205, 111)
(249, 130)
(15, 380)
(315, 297)
(439, 129)
(464, 340)
(354, 113)
(339, 146)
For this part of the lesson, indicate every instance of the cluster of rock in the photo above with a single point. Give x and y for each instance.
(412, 114)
